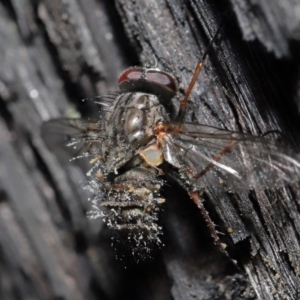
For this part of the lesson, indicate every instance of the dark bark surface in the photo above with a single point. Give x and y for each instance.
(53, 54)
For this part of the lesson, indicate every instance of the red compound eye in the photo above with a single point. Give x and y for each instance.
(130, 74)
(162, 78)
(148, 80)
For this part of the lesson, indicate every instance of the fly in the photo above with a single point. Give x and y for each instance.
(136, 140)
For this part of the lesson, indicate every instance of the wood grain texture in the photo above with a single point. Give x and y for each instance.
(53, 54)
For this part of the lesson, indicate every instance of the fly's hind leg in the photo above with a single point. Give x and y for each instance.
(210, 224)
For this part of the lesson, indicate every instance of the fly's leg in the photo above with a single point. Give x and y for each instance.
(198, 201)
(209, 166)
(216, 158)
(183, 103)
(211, 226)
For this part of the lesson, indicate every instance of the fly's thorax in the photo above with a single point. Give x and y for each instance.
(129, 127)
(135, 114)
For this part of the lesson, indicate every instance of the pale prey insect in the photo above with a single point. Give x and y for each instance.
(136, 140)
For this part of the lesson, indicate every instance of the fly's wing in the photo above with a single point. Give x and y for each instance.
(72, 138)
(239, 162)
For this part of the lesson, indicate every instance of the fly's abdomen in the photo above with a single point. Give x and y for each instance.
(132, 204)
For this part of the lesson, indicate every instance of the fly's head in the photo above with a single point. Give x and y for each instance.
(151, 81)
